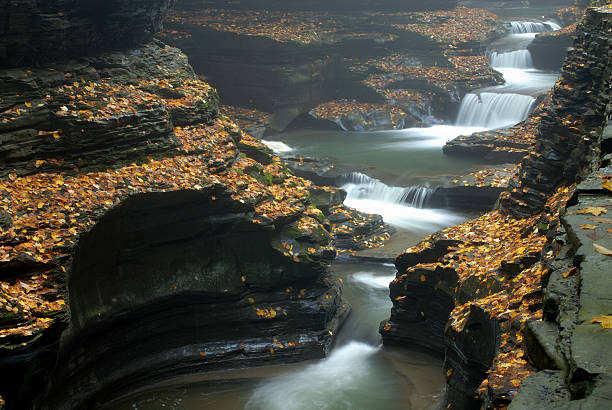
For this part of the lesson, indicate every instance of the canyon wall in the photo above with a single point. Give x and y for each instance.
(515, 299)
(143, 234)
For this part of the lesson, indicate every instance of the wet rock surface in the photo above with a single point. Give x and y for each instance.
(536, 310)
(152, 234)
(36, 32)
(570, 130)
(576, 305)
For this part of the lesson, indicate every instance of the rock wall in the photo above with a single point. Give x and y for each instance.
(568, 133)
(36, 32)
(140, 226)
(515, 299)
(570, 346)
(182, 282)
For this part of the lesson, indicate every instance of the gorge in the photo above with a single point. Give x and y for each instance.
(165, 243)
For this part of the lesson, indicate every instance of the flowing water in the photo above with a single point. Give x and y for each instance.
(359, 374)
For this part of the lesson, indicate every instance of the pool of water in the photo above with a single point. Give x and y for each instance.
(359, 374)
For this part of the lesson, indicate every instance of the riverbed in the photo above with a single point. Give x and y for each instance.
(359, 373)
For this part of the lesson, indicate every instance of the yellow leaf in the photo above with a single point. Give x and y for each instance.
(602, 250)
(607, 184)
(570, 272)
(588, 226)
(604, 320)
(28, 104)
(423, 278)
(593, 210)
(449, 372)
(202, 354)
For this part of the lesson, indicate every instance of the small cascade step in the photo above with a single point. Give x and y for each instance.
(524, 27)
(511, 59)
(493, 110)
(361, 186)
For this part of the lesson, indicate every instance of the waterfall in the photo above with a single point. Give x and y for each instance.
(277, 146)
(491, 110)
(511, 59)
(361, 186)
(523, 27)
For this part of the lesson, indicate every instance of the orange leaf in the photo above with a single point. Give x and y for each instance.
(604, 320)
(570, 272)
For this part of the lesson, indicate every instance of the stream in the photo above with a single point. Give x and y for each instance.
(359, 373)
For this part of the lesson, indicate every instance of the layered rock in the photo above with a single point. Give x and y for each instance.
(467, 292)
(287, 63)
(570, 346)
(181, 243)
(549, 49)
(526, 284)
(36, 31)
(569, 130)
(186, 281)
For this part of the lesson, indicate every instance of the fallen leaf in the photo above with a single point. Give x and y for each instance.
(602, 250)
(570, 272)
(593, 210)
(607, 184)
(604, 320)
(588, 226)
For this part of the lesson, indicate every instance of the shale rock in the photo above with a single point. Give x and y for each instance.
(36, 31)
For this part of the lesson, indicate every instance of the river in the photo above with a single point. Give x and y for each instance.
(359, 373)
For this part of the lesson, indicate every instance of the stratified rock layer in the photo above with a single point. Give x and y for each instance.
(147, 228)
(526, 286)
(37, 32)
(568, 133)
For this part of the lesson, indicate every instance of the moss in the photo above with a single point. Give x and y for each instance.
(293, 232)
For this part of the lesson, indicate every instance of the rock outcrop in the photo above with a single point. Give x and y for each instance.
(36, 32)
(526, 284)
(570, 346)
(568, 133)
(144, 228)
(289, 62)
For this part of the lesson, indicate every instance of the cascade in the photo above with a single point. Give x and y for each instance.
(361, 186)
(491, 110)
(511, 59)
(523, 27)
(277, 146)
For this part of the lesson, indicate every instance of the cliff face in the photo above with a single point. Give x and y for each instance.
(515, 299)
(141, 225)
(36, 32)
(569, 131)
